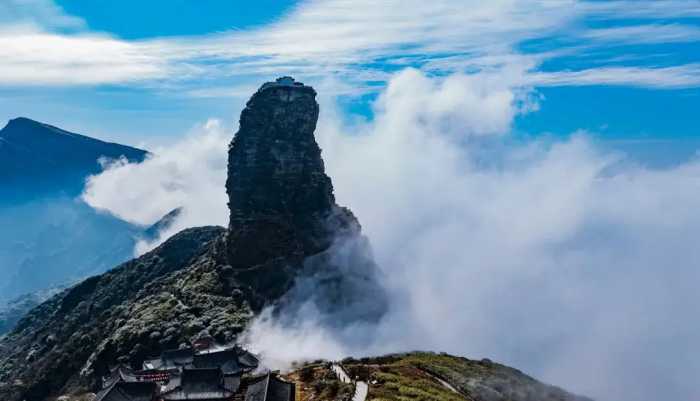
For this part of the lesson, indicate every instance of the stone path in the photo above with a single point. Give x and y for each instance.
(444, 383)
(341, 373)
(361, 388)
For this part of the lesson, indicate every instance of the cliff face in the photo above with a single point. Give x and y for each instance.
(285, 229)
(280, 198)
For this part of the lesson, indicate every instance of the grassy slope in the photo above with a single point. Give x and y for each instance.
(413, 376)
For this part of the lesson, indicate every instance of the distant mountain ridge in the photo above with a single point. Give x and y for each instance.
(37, 159)
(48, 236)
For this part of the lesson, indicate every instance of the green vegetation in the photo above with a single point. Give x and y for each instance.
(319, 383)
(406, 383)
(418, 375)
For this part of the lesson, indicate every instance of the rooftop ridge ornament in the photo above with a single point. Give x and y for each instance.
(285, 82)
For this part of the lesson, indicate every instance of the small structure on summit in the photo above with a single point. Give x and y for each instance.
(281, 82)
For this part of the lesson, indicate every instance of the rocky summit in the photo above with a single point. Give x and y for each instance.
(282, 207)
(285, 230)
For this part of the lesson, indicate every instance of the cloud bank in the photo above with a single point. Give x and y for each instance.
(191, 174)
(319, 38)
(558, 257)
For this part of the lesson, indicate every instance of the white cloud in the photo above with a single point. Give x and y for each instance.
(39, 13)
(652, 9)
(653, 33)
(32, 57)
(351, 40)
(683, 76)
(191, 174)
(554, 257)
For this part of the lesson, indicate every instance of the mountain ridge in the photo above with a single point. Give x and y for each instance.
(53, 238)
(38, 158)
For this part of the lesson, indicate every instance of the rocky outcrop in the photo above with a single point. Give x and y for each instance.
(285, 229)
(282, 207)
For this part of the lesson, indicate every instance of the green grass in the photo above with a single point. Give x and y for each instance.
(402, 378)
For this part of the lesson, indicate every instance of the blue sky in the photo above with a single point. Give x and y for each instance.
(146, 72)
(173, 17)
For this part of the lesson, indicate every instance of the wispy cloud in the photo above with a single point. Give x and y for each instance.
(655, 77)
(31, 57)
(356, 41)
(38, 13)
(646, 34)
(652, 9)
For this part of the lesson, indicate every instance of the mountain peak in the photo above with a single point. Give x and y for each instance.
(275, 164)
(287, 83)
(277, 186)
(19, 127)
(21, 121)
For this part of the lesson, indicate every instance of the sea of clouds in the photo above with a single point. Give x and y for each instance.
(557, 256)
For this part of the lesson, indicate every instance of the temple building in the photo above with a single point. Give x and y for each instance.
(206, 374)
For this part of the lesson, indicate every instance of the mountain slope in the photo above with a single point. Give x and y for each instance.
(58, 241)
(429, 377)
(116, 314)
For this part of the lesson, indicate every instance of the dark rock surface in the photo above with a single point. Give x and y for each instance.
(282, 207)
(280, 198)
(285, 228)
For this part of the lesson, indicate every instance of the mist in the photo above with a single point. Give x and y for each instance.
(558, 256)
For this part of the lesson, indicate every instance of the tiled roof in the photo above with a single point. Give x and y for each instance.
(197, 384)
(226, 360)
(270, 388)
(128, 391)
